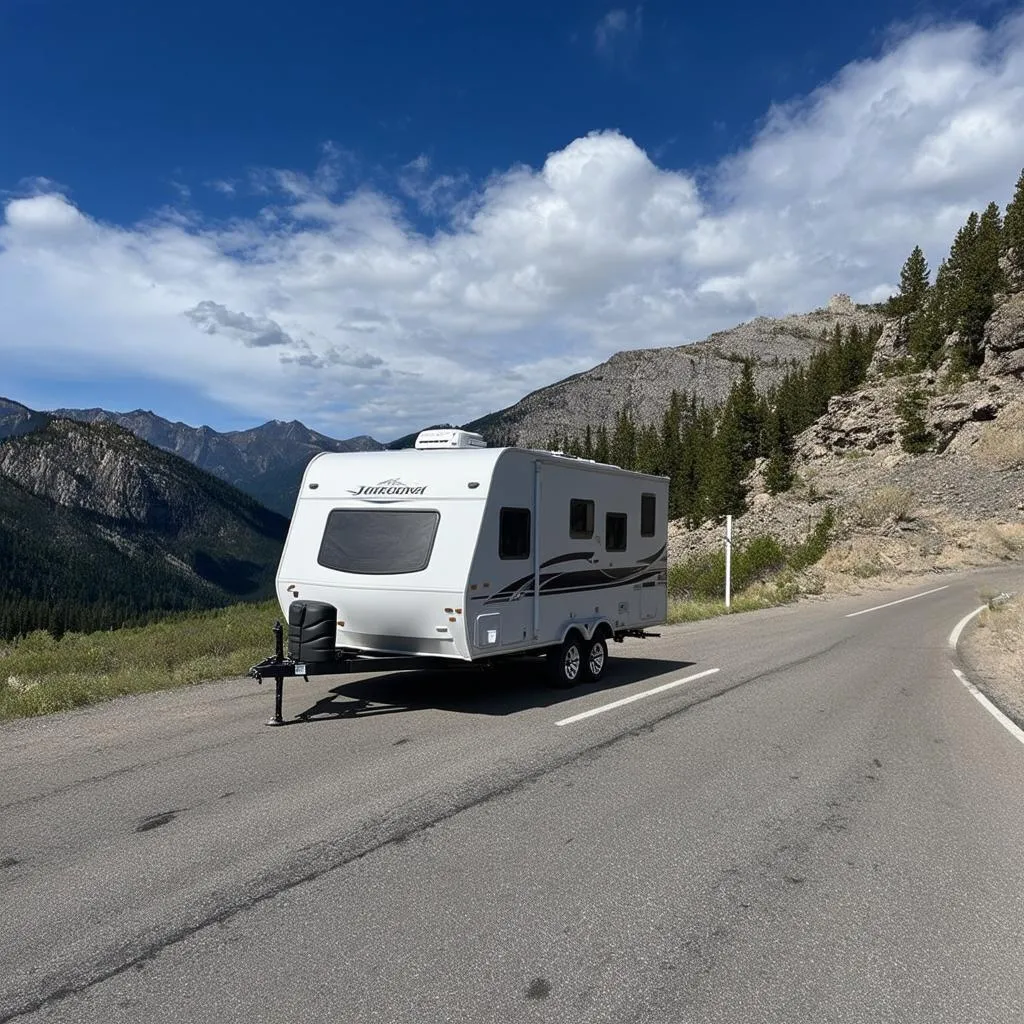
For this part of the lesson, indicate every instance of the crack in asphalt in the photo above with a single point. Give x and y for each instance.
(115, 772)
(333, 855)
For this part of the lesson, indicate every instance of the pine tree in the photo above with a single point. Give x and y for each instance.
(778, 471)
(976, 277)
(915, 437)
(623, 441)
(1013, 234)
(913, 285)
(723, 490)
(745, 405)
(648, 450)
(588, 443)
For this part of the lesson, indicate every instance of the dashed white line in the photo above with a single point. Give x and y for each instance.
(1011, 727)
(636, 696)
(889, 604)
(954, 637)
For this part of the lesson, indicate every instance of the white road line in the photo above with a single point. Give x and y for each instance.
(954, 637)
(1011, 727)
(913, 597)
(636, 696)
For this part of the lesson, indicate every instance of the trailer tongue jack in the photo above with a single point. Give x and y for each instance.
(339, 662)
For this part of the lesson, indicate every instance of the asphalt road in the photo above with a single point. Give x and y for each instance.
(827, 828)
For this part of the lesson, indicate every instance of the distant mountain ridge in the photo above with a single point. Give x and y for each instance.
(642, 380)
(97, 527)
(265, 462)
(17, 419)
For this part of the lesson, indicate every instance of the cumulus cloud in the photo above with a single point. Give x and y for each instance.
(331, 304)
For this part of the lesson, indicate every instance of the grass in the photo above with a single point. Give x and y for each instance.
(40, 675)
(752, 600)
(765, 573)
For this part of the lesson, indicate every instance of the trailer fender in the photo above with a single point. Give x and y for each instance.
(588, 630)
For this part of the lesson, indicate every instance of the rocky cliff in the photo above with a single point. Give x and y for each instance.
(959, 503)
(643, 380)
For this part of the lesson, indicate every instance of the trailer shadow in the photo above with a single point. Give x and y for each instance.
(505, 690)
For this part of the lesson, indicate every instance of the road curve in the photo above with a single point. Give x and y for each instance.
(825, 828)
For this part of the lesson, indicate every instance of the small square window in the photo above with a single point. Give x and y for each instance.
(514, 533)
(648, 506)
(615, 531)
(581, 519)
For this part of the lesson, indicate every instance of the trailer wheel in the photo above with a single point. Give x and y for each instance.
(566, 663)
(597, 658)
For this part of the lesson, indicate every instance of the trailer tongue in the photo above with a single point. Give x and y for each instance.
(310, 658)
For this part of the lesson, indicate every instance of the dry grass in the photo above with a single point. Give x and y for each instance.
(885, 505)
(1001, 442)
(996, 650)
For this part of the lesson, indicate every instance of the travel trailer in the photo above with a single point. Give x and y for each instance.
(459, 554)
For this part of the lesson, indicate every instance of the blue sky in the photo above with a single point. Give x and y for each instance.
(373, 217)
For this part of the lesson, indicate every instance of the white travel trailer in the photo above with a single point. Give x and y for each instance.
(452, 550)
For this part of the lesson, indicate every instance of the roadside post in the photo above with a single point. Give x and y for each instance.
(728, 561)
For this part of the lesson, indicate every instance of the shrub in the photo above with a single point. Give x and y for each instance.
(811, 550)
(883, 505)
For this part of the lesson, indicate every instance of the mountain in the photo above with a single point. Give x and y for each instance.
(98, 527)
(265, 462)
(17, 419)
(643, 379)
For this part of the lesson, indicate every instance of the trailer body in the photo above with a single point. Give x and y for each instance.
(468, 553)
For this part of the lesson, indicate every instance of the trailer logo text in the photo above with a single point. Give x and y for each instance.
(388, 489)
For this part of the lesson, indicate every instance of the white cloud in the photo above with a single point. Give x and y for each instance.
(331, 307)
(618, 32)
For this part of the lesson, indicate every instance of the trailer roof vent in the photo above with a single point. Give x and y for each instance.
(431, 439)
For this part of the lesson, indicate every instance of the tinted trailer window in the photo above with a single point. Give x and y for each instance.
(380, 542)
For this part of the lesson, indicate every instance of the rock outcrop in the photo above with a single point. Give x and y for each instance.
(1004, 340)
(643, 380)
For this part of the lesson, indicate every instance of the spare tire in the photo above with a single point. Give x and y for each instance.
(312, 631)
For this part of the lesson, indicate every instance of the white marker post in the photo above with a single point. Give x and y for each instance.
(728, 560)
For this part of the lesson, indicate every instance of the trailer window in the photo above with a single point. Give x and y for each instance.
(581, 519)
(615, 531)
(514, 533)
(378, 542)
(648, 504)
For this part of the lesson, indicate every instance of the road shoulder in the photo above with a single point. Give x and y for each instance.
(992, 650)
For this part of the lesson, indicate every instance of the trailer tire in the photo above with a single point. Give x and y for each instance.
(597, 658)
(566, 664)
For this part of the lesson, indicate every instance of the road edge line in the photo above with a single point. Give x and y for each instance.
(1003, 719)
(954, 636)
(1007, 723)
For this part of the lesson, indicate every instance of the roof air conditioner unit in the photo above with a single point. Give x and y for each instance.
(429, 440)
